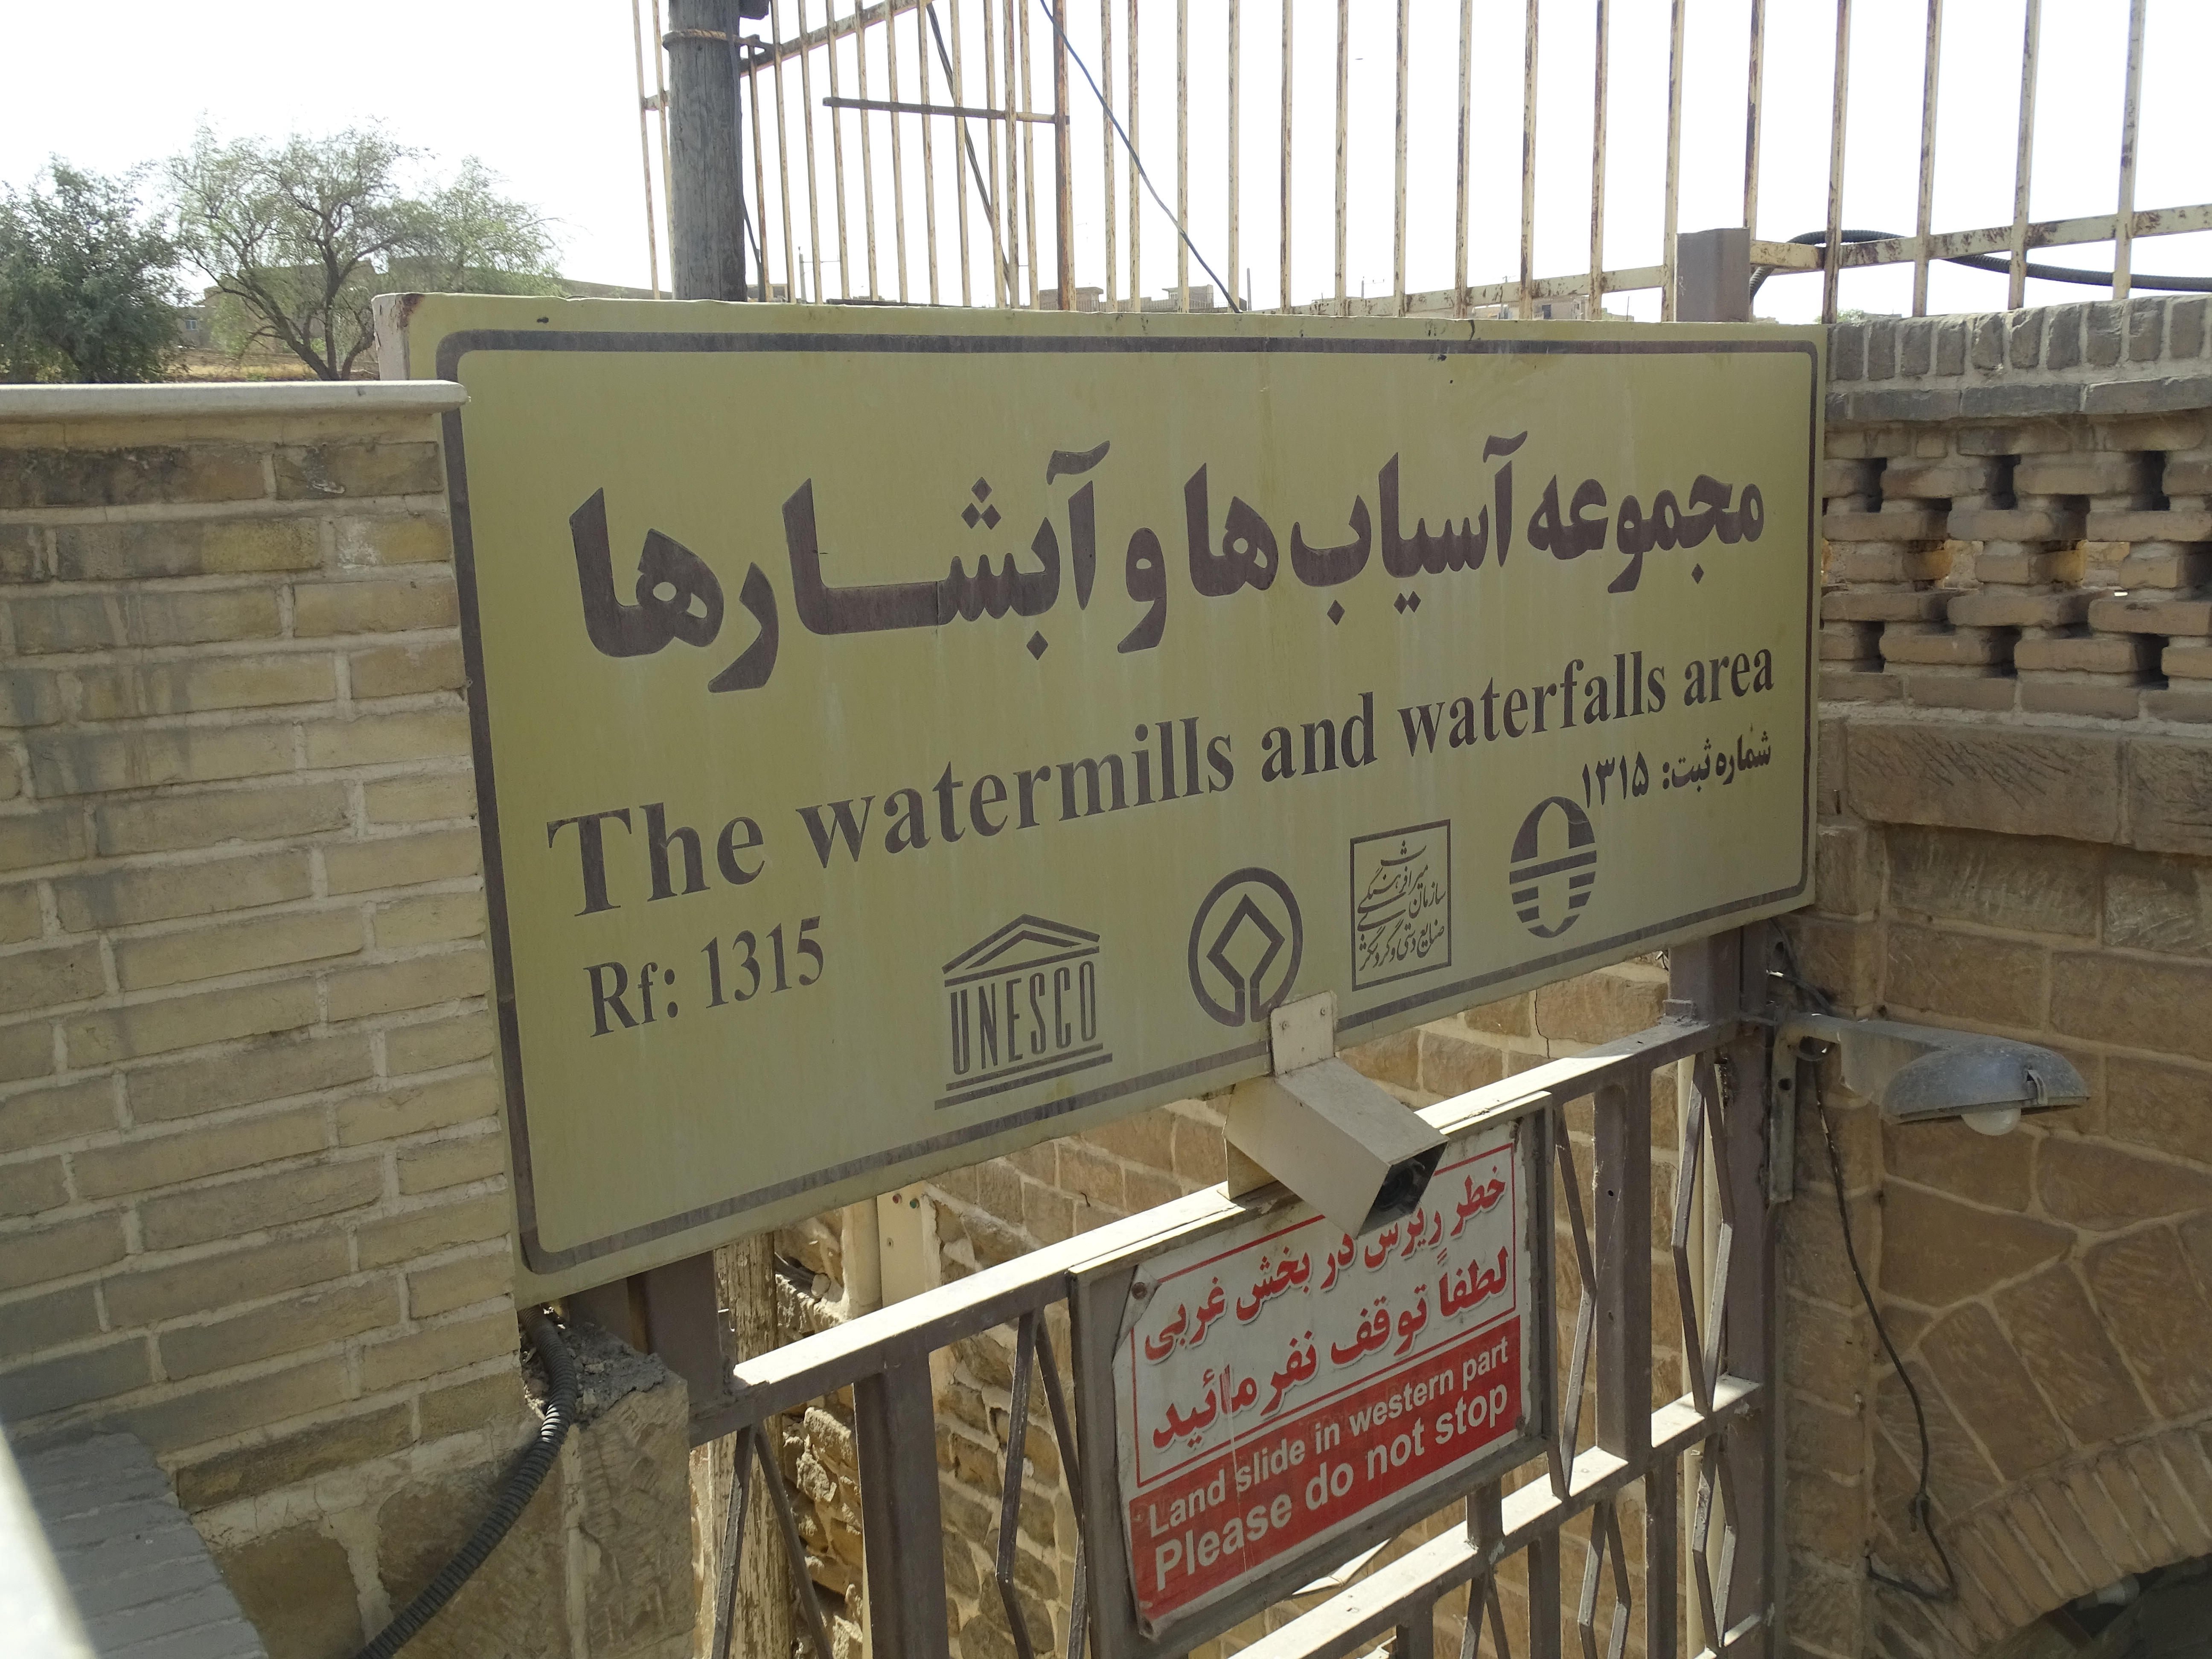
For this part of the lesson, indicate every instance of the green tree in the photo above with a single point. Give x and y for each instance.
(87, 287)
(297, 237)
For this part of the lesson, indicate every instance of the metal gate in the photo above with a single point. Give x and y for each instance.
(1602, 1440)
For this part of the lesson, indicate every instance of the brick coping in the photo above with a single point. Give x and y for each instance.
(132, 402)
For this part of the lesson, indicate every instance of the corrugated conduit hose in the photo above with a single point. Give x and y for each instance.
(521, 1486)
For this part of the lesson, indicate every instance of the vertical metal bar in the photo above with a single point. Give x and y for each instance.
(1623, 1195)
(1754, 108)
(2124, 224)
(1013, 195)
(1465, 161)
(1544, 1608)
(645, 145)
(1283, 298)
(837, 150)
(1002, 246)
(2023, 156)
(956, 78)
(1527, 308)
(1931, 63)
(813, 194)
(1106, 139)
(1416, 1632)
(1674, 164)
(1662, 1580)
(898, 166)
(1597, 166)
(896, 1423)
(1029, 148)
(791, 284)
(1094, 1309)
(867, 142)
(1235, 119)
(1182, 154)
(1063, 159)
(1343, 140)
(1832, 253)
(928, 154)
(760, 186)
(1136, 205)
(661, 88)
(734, 1538)
(1398, 222)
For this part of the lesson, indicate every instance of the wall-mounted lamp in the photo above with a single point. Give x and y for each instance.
(1916, 1073)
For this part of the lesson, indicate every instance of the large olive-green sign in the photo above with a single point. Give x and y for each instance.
(905, 735)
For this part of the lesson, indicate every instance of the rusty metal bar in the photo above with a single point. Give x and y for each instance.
(1002, 246)
(1063, 161)
(836, 29)
(1182, 154)
(895, 1422)
(813, 194)
(760, 186)
(953, 80)
(1597, 165)
(1397, 242)
(837, 160)
(1662, 1586)
(1283, 297)
(1136, 206)
(1529, 163)
(791, 282)
(1996, 238)
(1670, 257)
(1106, 136)
(928, 155)
(1831, 250)
(645, 142)
(1028, 146)
(898, 163)
(660, 98)
(1465, 160)
(1931, 63)
(1236, 45)
(1343, 139)
(867, 160)
(2024, 156)
(1623, 1202)
(2131, 125)
(1754, 110)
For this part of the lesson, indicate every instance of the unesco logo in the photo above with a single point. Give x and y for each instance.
(1554, 866)
(1245, 943)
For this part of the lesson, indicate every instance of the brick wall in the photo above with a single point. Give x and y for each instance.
(252, 1186)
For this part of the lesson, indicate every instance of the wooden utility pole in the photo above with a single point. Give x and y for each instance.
(706, 230)
(706, 261)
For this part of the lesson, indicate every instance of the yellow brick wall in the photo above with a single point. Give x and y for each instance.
(252, 1187)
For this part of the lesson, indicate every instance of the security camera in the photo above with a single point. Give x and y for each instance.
(1345, 1144)
(1920, 1073)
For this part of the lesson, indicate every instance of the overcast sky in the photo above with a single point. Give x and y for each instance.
(546, 95)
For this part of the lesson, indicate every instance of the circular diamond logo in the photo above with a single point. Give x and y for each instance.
(1245, 943)
(1554, 866)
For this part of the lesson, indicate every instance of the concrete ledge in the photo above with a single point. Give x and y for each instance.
(169, 402)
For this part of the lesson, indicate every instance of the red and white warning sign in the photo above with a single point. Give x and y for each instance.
(1278, 1383)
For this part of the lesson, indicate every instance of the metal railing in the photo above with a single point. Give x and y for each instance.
(1723, 1287)
(950, 215)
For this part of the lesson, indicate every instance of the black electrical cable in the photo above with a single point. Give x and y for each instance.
(529, 1475)
(1992, 262)
(1045, 6)
(1919, 1507)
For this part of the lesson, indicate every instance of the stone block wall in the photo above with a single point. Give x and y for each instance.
(252, 1184)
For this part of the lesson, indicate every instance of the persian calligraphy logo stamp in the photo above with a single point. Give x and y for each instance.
(1022, 1006)
(1245, 944)
(1554, 866)
(1401, 903)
